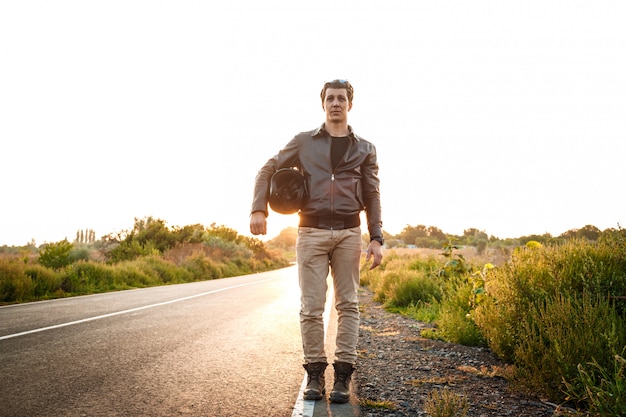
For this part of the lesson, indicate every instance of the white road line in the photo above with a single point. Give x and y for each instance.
(117, 313)
(305, 408)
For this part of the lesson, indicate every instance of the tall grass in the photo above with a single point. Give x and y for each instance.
(553, 309)
(26, 280)
(556, 312)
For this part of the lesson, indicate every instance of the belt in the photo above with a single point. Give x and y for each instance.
(330, 222)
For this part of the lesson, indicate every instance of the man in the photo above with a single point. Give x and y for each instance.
(341, 173)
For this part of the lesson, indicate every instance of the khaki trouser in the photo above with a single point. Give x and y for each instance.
(318, 250)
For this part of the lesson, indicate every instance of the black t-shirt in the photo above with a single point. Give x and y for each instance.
(338, 149)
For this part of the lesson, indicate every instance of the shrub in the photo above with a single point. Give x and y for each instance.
(455, 320)
(602, 389)
(88, 276)
(130, 274)
(56, 255)
(552, 308)
(564, 332)
(15, 285)
(129, 250)
(79, 254)
(411, 289)
(46, 282)
(162, 271)
(202, 267)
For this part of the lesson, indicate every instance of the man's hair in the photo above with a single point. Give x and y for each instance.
(338, 84)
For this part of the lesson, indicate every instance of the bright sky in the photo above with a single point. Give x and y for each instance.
(504, 116)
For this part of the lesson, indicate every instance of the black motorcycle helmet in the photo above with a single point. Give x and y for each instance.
(287, 191)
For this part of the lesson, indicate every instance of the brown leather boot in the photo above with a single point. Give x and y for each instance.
(316, 384)
(341, 389)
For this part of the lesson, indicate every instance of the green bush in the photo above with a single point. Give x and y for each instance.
(602, 390)
(564, 332)
(88, 277)
(15, 285)
(162, 271)
(129, 250)
(130, 274)
(46, 282)
(403, 281)
(413, 288)
(202, 267)
(554, 308)
(79, 254)
(455, 322)
(56, 255)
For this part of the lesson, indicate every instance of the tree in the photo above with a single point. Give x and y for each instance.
(56, 255)
(286, 239)
(437, 234)
(410, 234)
(472, 235)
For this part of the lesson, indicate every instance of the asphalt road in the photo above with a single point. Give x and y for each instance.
(228, 347)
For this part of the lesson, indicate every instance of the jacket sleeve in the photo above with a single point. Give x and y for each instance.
(286, 157)
(371, 195)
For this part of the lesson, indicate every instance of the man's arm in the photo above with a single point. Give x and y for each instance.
(373, 211)
(288, 156)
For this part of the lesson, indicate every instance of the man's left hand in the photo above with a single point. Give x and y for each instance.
(375, 249)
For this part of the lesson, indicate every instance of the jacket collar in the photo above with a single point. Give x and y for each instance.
(320, 131)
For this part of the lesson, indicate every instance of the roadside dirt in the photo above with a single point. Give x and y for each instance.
(397, 369)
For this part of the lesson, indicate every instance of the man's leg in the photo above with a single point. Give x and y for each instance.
(312, 255)
(345, 263)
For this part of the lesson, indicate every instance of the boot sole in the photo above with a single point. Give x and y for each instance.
(314, 397)
(338, 399)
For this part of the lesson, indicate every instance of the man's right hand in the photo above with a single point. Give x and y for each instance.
(258, 224)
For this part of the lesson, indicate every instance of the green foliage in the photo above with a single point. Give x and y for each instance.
(554, 307)
(56, 255)
(588, 232)
(14, 283)
(563, 332)
(203, 268)
(164, 272)
(87, 277)
(412, 289)
(455, 317)
(79, 253)
(286, 239)
(423, 288)
(602, 389)
(426, 312)
(150, 254)
(422, 236)
(556, 311)
(456, 266)
(401, 282)
(46, 282)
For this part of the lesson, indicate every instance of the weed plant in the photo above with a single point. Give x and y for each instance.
(604, 391)
(555, 308)
(59, 276)
(556, 312)
(444, 403)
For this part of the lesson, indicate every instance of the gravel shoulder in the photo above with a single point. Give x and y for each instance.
(397, 368)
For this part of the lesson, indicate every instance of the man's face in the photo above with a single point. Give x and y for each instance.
(336, 105)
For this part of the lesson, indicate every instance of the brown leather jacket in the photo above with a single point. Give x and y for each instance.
(352, 187)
